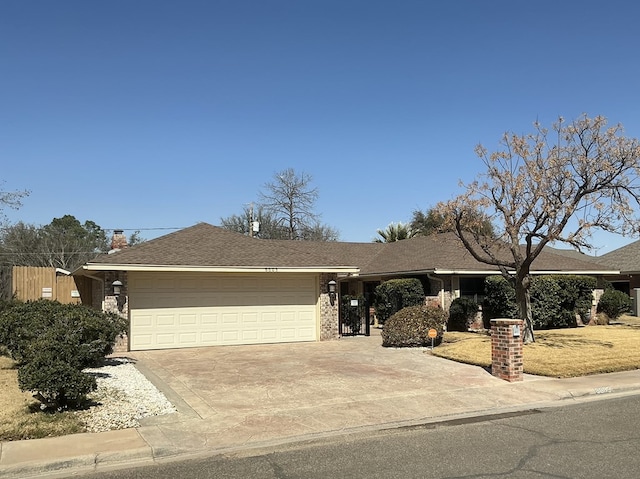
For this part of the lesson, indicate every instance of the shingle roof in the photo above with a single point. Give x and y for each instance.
(625, 259)
(445, 252)
(207, 245)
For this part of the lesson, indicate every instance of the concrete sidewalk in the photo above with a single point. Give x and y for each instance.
(235, 398)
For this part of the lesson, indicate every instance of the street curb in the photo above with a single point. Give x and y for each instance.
(147, 455)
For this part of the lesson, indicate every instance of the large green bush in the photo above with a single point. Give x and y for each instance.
(546, 307)
(56, 379)
(52, 343)
(410, 326)
(94, 332)
(499, 300)
(576, 293)
(395, 294)
(462, 313)
(555, 300)
(614, 303)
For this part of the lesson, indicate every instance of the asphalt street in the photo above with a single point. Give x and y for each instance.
(594, 439)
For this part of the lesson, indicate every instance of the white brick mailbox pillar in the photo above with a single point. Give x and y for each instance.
(506, 349)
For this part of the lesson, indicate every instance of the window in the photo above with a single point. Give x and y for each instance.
(472, 288)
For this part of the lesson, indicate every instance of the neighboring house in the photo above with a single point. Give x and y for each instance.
(205, 285)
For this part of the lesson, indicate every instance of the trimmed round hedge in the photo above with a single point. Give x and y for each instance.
(410, 327)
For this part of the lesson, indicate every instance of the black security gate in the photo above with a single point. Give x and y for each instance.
(354, 316)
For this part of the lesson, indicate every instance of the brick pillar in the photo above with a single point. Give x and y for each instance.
(506, 349)
(328, 312)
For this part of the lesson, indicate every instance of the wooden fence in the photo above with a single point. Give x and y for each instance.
(32, 282)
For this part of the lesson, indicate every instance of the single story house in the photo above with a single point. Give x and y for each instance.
(206, 286)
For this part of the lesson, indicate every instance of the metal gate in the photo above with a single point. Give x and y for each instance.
(354, 316)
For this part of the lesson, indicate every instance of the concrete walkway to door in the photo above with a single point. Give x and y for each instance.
(233, 398)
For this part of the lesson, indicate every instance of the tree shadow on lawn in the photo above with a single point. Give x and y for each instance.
(560, 340)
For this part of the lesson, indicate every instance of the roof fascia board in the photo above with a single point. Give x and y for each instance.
(484, 272)
(535, 272)
(217, 269)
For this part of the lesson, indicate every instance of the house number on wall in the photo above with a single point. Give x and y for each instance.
(271, 270)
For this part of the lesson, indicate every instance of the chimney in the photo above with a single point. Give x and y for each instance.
(118, 241)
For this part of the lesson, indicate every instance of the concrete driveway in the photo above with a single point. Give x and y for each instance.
(235, 395)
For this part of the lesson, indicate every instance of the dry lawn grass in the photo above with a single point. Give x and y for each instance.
(559, 353)
(18, 417)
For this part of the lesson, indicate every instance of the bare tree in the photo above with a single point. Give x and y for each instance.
(10, 199)
(286, 211)
(291, 199)
(320, 232)
(555, 185)
(242, 223)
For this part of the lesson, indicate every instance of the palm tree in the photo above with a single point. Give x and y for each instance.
(394, 232)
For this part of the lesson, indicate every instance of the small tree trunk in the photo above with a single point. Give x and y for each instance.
(524, 303)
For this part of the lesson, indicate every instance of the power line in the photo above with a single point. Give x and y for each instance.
(145, 229)
(114, 229)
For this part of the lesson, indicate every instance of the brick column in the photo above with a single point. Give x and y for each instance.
(328, 312)
(506, 349)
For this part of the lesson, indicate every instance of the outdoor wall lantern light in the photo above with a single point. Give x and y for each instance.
(331, 285)
(117, 287)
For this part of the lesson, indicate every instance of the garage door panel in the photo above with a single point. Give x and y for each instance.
(210, 338)
(230, 319)
(149, 300)
(250, 319)
(188, 339)
(205, 310)
(307, 334)
(209, 319)
(188, 319)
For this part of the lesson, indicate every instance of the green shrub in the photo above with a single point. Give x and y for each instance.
(95, 332)
(52, 343)
(555, 300)
(58, 383)
(546, 304)
(462, 313)
(410, 326)
(499, 300)
(576, 293)
(614, 303)
(395, 294)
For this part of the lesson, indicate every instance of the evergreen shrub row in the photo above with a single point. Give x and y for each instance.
(555, 300)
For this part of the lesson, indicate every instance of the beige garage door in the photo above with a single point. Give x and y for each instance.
(177, 310)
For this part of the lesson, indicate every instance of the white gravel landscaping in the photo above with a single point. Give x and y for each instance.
(124, 396)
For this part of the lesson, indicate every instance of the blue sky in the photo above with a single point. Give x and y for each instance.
(159, 114)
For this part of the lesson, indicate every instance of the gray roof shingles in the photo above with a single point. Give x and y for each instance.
(208, 245)
(625, 259)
